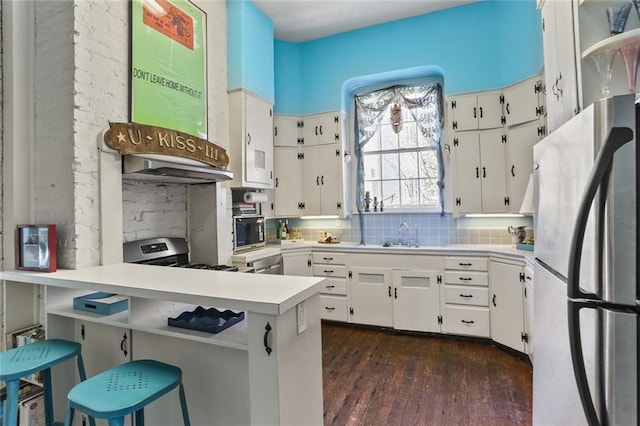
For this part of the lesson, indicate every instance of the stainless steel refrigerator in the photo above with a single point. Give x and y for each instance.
(586, 323)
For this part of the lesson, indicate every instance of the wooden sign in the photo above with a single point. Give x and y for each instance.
(133, 138)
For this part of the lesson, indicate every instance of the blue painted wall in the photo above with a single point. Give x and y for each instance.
(480, 46)
(250, 49)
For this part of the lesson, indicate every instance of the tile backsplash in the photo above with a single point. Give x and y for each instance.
(428, 229)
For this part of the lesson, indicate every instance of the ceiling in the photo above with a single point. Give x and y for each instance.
(303, 20)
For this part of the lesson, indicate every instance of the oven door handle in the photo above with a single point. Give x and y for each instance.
(266, 269)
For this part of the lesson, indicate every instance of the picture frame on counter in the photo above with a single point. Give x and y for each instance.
(36, 247)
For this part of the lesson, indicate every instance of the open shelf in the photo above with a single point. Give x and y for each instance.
(613, 43)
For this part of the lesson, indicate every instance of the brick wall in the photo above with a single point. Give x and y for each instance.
(82, 78)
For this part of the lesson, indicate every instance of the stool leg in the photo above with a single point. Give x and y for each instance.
(140, 417)
(183, 405)
(69, 418)
(48, 396)
(11, 404)
(83, 377)
(117, 421)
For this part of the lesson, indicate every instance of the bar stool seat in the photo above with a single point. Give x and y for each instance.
(32, 358)
(126, 389)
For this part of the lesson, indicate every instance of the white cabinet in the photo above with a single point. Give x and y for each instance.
(370, 291)
(479, 182)
(561, 72)
(528, 310)
(322, 180)
(287, 192)
(519, 155)
(524, 101)
(476, 111)
(321, 129)
(507, 303)
(333, 296)
(416, 300)
(251, 141)
(286, 130)
(466, 303)
(298, 263)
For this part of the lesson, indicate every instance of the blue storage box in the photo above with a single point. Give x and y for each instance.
(101, 303)
(522, 246)
(208, 320)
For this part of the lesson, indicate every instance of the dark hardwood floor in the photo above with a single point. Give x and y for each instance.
(378, 377)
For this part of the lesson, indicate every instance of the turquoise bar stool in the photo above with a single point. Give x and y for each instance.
(32, 358)
(125, 389)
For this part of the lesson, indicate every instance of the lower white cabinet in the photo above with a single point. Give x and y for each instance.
(370, 291)
(298, 263)
(528, 310)
(466, 296)
(506, 304)
(333, 296)
(416, 300)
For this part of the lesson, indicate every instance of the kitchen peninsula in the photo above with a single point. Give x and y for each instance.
(267, 369)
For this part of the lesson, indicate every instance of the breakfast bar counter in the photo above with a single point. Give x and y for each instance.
(266, 369)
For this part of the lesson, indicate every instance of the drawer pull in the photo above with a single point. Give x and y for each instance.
(465, 279)
(330, 271)
(466, 296)
(328, 258)
(466, 322)
(465, 264)
(330, 308)
(330, 286)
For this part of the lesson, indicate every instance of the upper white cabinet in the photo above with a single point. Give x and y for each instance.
(524, 101)
(478, 167)
(478, 111)
(561, 70)
(286, 130)
(491, 167)
(320, 129)
(322, 180)
(287, 194)
(251, 136)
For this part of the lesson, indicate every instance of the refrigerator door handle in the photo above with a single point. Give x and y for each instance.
(618, 137)
(577, 359)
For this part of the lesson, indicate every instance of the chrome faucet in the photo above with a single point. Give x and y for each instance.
(403, 224)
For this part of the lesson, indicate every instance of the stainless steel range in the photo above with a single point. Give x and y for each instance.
(165, 251)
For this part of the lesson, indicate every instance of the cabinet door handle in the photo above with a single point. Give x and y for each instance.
(330, 308)
(322, 180)
(474, 112)
(480, 112)
(494, 300)
(328, 271)
(267, 330)
(466, 296)
(316, 130)
(276, 182)
(477, 172)
(317, 180)
(484, 172)
(507, 108)
(467, 322)
(321, 130)
(513, 170)
(465, 278)
(275, 131)
(395, 292)
(328, 258)
(248, 138)
(123, 345)
(389, 291)
(330, 286)
(464, 264)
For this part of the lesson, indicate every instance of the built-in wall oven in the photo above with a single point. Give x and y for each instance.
(248, 233)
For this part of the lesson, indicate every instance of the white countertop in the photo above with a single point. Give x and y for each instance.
(449, 249)
(262, 293)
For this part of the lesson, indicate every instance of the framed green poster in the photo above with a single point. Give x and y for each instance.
(168, 80)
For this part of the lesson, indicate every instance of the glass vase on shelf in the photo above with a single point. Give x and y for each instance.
(630, 53)
(604, 64)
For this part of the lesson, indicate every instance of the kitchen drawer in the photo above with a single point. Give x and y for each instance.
(466, 263)
(329, 270)
(330, 258)
(333, 307)
(466, 278)
(468, 320)
(334, 286)
(463, 295)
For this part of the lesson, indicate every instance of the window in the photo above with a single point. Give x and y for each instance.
(400, 166)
